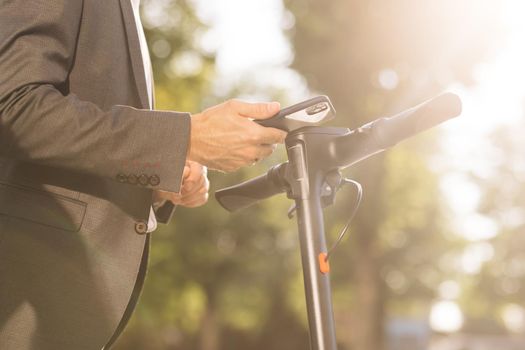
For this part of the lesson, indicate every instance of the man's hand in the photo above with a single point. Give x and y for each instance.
(195, 187)
(224, 137)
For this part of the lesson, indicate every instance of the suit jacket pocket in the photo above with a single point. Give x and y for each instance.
(41, 207)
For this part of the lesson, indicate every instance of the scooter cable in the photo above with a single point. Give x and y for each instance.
(359, 198)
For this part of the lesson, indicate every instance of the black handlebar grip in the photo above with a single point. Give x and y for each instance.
(384, 133)
(252, 191)
(392, 130)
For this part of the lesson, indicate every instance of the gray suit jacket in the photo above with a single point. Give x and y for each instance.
(79, 157)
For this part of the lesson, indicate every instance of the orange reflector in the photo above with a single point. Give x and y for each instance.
(324, 265)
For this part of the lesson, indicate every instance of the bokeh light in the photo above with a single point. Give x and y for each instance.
(446, 317)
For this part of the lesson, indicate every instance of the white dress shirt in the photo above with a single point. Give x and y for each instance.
(152, 221)
(144, 50)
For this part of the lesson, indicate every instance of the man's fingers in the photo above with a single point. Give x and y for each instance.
(175, 198)
(197, 201)
(265, 151)
(271, 136)
(198, 196)
(186, 172)
(194, 187)
(196, 171)
(198, 174)
(255, 110)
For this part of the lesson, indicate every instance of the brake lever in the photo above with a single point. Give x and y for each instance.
(332, 184)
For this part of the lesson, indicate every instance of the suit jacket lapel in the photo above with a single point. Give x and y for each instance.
(134, 52)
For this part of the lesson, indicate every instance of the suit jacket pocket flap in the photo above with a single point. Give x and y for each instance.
(41, 207)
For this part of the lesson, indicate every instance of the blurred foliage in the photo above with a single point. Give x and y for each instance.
(182, 69)
(500, 283)
(234, 281)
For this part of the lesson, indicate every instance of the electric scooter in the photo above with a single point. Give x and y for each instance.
(312, 176)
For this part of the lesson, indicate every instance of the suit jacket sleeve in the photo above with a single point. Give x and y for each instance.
(41, 122)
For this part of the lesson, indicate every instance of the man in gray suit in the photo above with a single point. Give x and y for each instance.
(84, 159)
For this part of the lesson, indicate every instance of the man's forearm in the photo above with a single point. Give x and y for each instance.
(41, 122)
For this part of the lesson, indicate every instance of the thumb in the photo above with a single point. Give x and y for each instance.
(255, 110)
(186, 171)
(195, 172)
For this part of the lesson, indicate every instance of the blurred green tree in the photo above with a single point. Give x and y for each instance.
(500, 283)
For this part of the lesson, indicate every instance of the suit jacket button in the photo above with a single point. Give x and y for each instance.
(144, 180)
(154, 180)
(141, 227)
(122, 178)
(132, 179)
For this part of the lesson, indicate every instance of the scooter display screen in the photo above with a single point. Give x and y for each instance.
(312, 112)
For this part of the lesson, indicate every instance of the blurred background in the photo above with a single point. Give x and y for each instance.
(434, 259)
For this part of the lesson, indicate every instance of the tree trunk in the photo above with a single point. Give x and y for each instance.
(369, 302)
(210, 332)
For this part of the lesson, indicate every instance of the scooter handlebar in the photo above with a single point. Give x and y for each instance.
(390, 131)
(243, 195)
(386, 132)
(350, 148)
